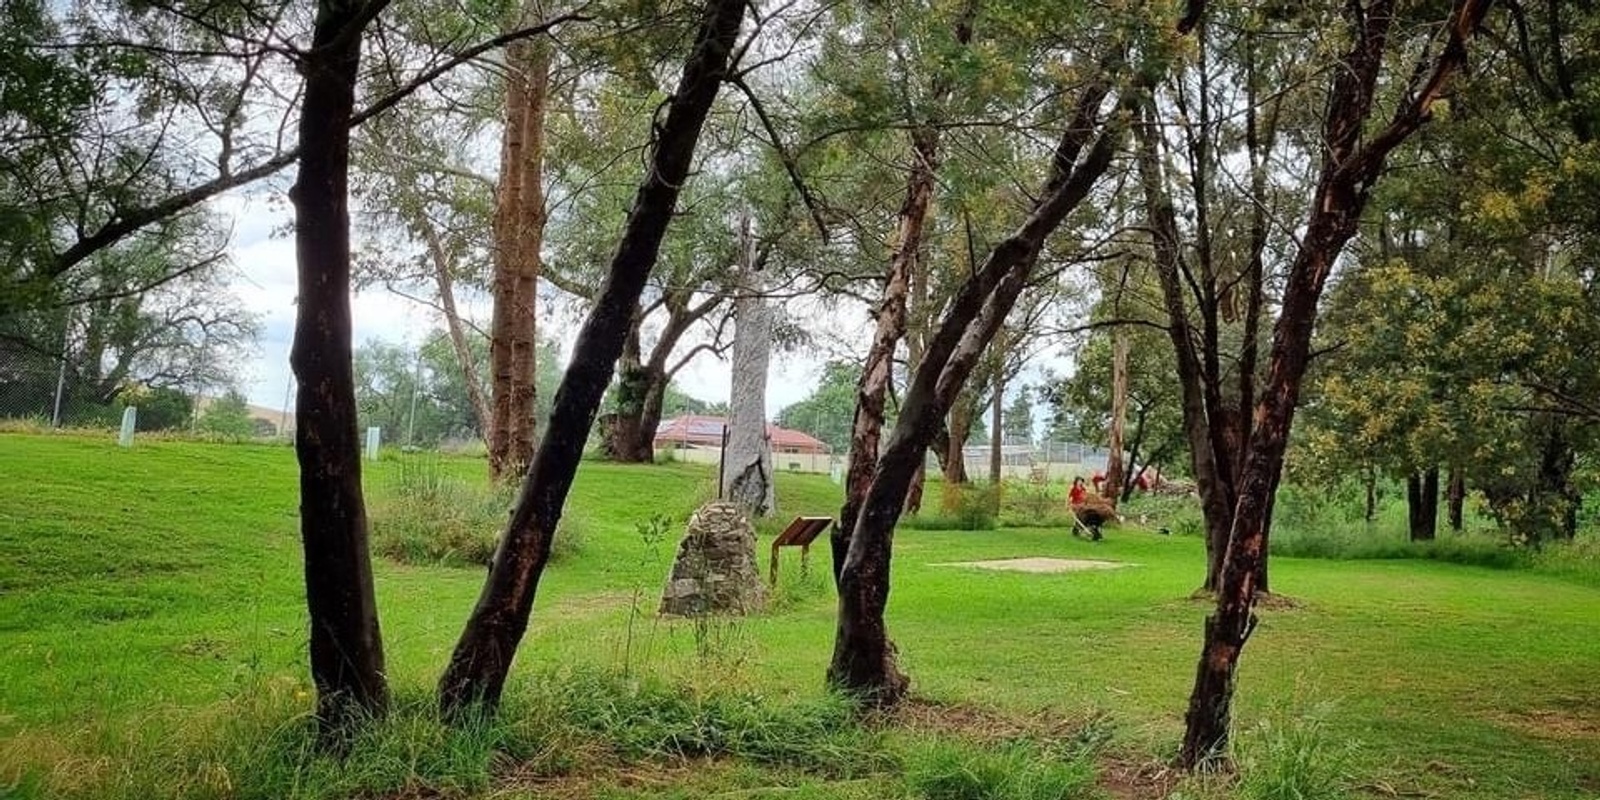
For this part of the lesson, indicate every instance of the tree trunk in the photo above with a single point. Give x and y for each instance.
(1555, 490)
(997, 439)
(456, 329)
(960, 427)
(519, 235)
(1369, 480)
(904, 272)
(625, 438)
(873, 388)
(1119, 415)
(346, 643)
(1456, 496)
(915, 334)
(747, 461)
(1349, 171)
(864, 663)
(482, 658)
(1422, 504)
(1212, 478)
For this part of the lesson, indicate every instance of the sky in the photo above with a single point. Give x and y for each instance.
(262, 255)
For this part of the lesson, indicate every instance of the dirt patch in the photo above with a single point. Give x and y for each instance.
(1129, 779)
(979, 724)
(1040, 564)
(1554, 724)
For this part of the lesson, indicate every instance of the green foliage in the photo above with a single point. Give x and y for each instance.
(1034, 504)
(160, 408)
(228, 417)
(829, 411)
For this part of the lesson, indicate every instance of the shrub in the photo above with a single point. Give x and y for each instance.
(964, 507)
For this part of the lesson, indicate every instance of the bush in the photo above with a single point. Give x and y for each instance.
(1034, 504)
(964, 507)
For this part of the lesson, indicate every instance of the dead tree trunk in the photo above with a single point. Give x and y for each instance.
(864, 663)
(1350, 169)
(346, 643)
(477, 671)
(747, 461)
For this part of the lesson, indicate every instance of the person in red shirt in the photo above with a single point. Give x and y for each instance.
(1078, 493)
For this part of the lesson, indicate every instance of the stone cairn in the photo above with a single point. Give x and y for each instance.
(715, 571)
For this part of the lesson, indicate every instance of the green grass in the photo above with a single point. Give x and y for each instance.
(152, 645)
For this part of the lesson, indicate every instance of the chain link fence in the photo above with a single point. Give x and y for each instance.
(39, 388)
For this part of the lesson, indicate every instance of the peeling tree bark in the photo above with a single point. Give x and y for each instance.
(1349, 171)
(478, 668)
(346, 644)
(519, 221)
(877, 371)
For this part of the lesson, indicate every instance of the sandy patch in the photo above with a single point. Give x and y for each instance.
(1040, 564)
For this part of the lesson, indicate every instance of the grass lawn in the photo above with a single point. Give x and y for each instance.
(151, 597)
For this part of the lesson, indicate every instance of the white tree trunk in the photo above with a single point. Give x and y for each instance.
(747, 459)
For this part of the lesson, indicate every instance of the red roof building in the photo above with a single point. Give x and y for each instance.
(699, 430)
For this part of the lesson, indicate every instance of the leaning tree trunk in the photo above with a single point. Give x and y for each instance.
(1422, 504)
(478, 668)
(456, 329)
(905, 272)
(1350, 169)
(747, 461)
(864, 663)
(346, 644)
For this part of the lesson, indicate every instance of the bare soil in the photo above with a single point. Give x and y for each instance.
(1040, 564)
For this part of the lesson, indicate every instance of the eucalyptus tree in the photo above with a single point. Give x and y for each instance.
(1080, 403)
(120, 121)
(1092, 72)
(347, 660)
(481, 661)
(1353, 159)
(1466, 333)
(1225, 158)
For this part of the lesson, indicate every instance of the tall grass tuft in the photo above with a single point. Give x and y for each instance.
(649, 719)
(1294, 759)
(424, 515)
(1023, 770)
(963, 507)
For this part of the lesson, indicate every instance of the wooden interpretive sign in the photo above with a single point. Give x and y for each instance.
(800, 533)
